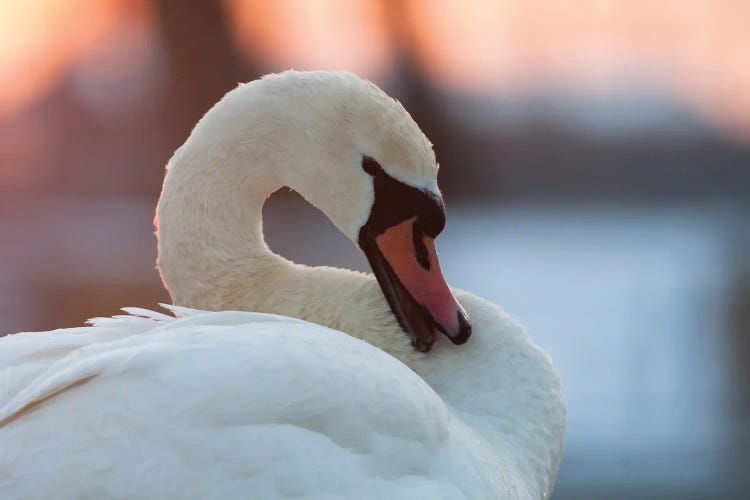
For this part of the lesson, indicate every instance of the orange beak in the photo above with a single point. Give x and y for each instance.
(405, 262)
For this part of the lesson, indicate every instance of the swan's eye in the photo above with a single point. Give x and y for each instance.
(396, 202)
(420, 251)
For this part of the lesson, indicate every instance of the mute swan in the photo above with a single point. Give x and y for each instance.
(255, 405)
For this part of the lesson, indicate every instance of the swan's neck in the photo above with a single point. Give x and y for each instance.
(212, 254)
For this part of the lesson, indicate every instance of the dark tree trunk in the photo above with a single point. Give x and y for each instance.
(202, 64)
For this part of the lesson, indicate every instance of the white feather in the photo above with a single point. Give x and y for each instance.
(237, 404)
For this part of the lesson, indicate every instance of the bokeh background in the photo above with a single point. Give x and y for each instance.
(594, 163)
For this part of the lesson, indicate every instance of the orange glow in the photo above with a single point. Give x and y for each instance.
(41, 39)
(313, 34)
(697, 49)
(694, 50)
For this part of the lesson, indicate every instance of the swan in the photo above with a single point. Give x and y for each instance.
(339, 385)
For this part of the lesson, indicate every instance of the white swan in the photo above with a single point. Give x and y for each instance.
(252, 405)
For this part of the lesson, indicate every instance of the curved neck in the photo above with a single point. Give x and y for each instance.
(212, 256)
(209, 221)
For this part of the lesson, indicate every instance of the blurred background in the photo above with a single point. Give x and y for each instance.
(595, 164)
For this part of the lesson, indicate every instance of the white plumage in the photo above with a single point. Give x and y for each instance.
(250, 405)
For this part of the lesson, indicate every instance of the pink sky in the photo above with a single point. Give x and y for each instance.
(696, 50)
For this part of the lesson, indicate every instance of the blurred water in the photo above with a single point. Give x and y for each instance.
(631, 302)
(632, 305)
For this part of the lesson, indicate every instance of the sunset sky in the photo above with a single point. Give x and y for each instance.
(695, 51)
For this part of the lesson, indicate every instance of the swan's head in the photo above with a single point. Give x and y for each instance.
(398, 239)
(382, 193)
(357, 155)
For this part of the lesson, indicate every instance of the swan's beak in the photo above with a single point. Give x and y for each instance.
(406, 266)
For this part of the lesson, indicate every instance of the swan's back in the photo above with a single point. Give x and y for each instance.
(228, 405)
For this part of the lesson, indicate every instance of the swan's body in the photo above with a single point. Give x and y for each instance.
(250, 405)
